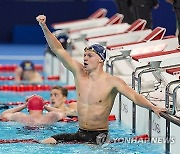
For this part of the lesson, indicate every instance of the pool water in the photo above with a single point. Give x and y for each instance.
(8, 96)
(13, 130)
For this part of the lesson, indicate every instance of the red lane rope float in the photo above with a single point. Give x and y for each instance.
(23, 88)
(8, 104)
(10, 78)
(12, 103)
(75, 118)
(53, 77)
(70, 87)
(70, 101)
(18, 141)
(20, 103)
(143, 137)
(112, 117)
(7, 68)
(69, 119)
(11, 68)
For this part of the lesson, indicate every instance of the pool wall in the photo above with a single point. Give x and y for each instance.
(140, 120)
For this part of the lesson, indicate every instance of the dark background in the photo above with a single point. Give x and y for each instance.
(18, 24)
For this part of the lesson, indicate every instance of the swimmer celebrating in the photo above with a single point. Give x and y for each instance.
(35, 105)
(96, 90)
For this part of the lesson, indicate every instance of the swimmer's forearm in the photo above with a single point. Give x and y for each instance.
(49, 109)
(16, 109)
(57, 48)
(55, 45)
(51, 39)
(71, 113)
(143, 102)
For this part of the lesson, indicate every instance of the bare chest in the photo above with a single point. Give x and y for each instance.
(94, 92)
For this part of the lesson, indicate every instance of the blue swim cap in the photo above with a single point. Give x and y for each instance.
(27, 65)
(99, 49)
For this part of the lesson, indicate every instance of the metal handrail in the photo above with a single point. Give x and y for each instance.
(168, 94)
(108, 62)
(174, 108)
(114, 60)
(125, 54)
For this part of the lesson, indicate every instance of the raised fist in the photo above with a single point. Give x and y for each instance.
(41, 19)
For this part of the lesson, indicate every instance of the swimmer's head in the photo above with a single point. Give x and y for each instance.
(35, 102)
(27, 65)
(58, 96)
(98, 49)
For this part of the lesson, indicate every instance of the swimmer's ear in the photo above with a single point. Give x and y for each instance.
(100, 60)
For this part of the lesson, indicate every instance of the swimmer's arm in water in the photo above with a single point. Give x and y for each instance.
(58, 111)
(72, 109)
(18, 73)
(57, 47)
(71, 112)
(138, 99)
(49, 140)
(10, 112)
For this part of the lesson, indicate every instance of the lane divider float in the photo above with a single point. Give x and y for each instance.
(25, 88)
(143, 137)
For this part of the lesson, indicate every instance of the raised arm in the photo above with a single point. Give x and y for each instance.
(170, 1)
(10, 112)
(57, 47)
(138, 99)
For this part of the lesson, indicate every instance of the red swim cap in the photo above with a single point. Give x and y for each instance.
(35, 103)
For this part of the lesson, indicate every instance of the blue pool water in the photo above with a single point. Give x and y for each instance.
(21, 96)
(13, 130)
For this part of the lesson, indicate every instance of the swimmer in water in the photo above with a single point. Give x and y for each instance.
(96, 91)
(58, 99)
(27, 72)
(35, 105)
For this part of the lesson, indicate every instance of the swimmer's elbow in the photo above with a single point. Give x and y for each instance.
(5, 117)
(71, 113)
(48, 141)
(62, 115)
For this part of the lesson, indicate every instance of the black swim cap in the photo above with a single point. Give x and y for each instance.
(27, 65)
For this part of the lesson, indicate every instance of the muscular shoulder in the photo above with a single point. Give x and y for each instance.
(79, 69)
(17, 116)
(116, 83)
(54, 116)
(114, 80)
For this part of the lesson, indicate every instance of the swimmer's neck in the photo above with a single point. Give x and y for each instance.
(96, 75)
(36, 112)
(62, 106)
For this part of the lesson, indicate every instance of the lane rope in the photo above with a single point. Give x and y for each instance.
(24, 88)
(143, 137)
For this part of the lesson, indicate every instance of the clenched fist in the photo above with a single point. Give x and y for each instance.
(41, 19)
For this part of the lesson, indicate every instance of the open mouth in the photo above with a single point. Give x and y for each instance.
(85, 64)
(52, 103)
